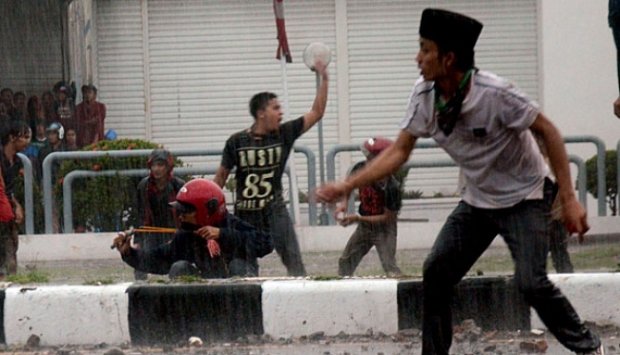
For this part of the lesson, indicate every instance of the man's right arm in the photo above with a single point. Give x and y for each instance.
(383, 165)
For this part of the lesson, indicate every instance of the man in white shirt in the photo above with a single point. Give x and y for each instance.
(486, 125)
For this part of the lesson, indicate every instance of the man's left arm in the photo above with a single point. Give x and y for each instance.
(320, 100)
(575, 216)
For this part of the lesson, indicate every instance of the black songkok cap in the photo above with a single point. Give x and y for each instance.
(450, 30)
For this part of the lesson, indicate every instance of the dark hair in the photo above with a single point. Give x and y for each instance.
(15, 128)
(464, 59)
(260, 101)
(6, 89)
(33, 104)
(89, 87)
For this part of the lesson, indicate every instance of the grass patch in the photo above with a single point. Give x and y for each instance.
(188, 279)
(28, 278)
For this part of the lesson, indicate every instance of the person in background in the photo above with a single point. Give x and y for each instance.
(71, 140)
(487, 126)
(48, 101)
(259, 155)
(376, 220)
(210, 242)
(65, 108)
(6, 97)
(38, 141)
(15, 137)
(35, 112)
(55, 133)
(21, 110)
(55, 143)
(154, 195)
(90, 117)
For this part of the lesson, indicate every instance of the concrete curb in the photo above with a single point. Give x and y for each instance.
(229, 309)
(411, 235)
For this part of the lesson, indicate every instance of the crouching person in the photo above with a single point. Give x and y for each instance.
(210, 243)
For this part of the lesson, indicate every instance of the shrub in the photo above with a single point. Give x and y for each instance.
(611, 169)
(104, 203)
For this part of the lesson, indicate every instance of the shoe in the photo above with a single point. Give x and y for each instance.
(598, 351)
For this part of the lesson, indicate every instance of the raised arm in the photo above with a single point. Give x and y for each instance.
(574, 215)
(320, 100)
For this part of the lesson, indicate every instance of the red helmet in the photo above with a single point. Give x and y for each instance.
(206, 197)
(374, 146)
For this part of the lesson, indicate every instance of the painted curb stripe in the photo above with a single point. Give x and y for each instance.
(160, 314)
(303, 307)
(492, 302)
(77, 315)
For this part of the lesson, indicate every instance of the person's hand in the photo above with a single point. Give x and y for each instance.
(575, 218)
(349, 219)
(19, 214)
(617, 107)
(333, 192)
(321, 69)
(208, 232)
(339, 212)
(213, 248)
(122, 242)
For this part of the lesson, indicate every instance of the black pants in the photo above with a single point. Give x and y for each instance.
(465, 236)
(382, 236)
(149, 241)
(277, 222)
(558, 247)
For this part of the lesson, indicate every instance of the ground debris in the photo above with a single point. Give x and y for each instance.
(534, 346)
(33, 342)
(467, 331)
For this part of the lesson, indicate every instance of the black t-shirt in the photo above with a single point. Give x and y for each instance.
(260, 163)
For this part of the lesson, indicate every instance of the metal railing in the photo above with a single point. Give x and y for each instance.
(600, 168)
(67, 190)
(82, 155)
(311, 167)
(425, 144)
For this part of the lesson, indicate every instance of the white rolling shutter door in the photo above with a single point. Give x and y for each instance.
(207, 58)
(120, 69)
(383, 43)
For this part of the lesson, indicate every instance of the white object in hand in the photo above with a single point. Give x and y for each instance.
(317, 51)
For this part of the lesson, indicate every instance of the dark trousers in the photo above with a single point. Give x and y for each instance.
(9, 232)
(149, 241)
(465, 236)
(558, 247)
(382, 236)
(277, 222)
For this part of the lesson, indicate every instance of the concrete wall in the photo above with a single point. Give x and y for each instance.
(578, 66)
(412, 235)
